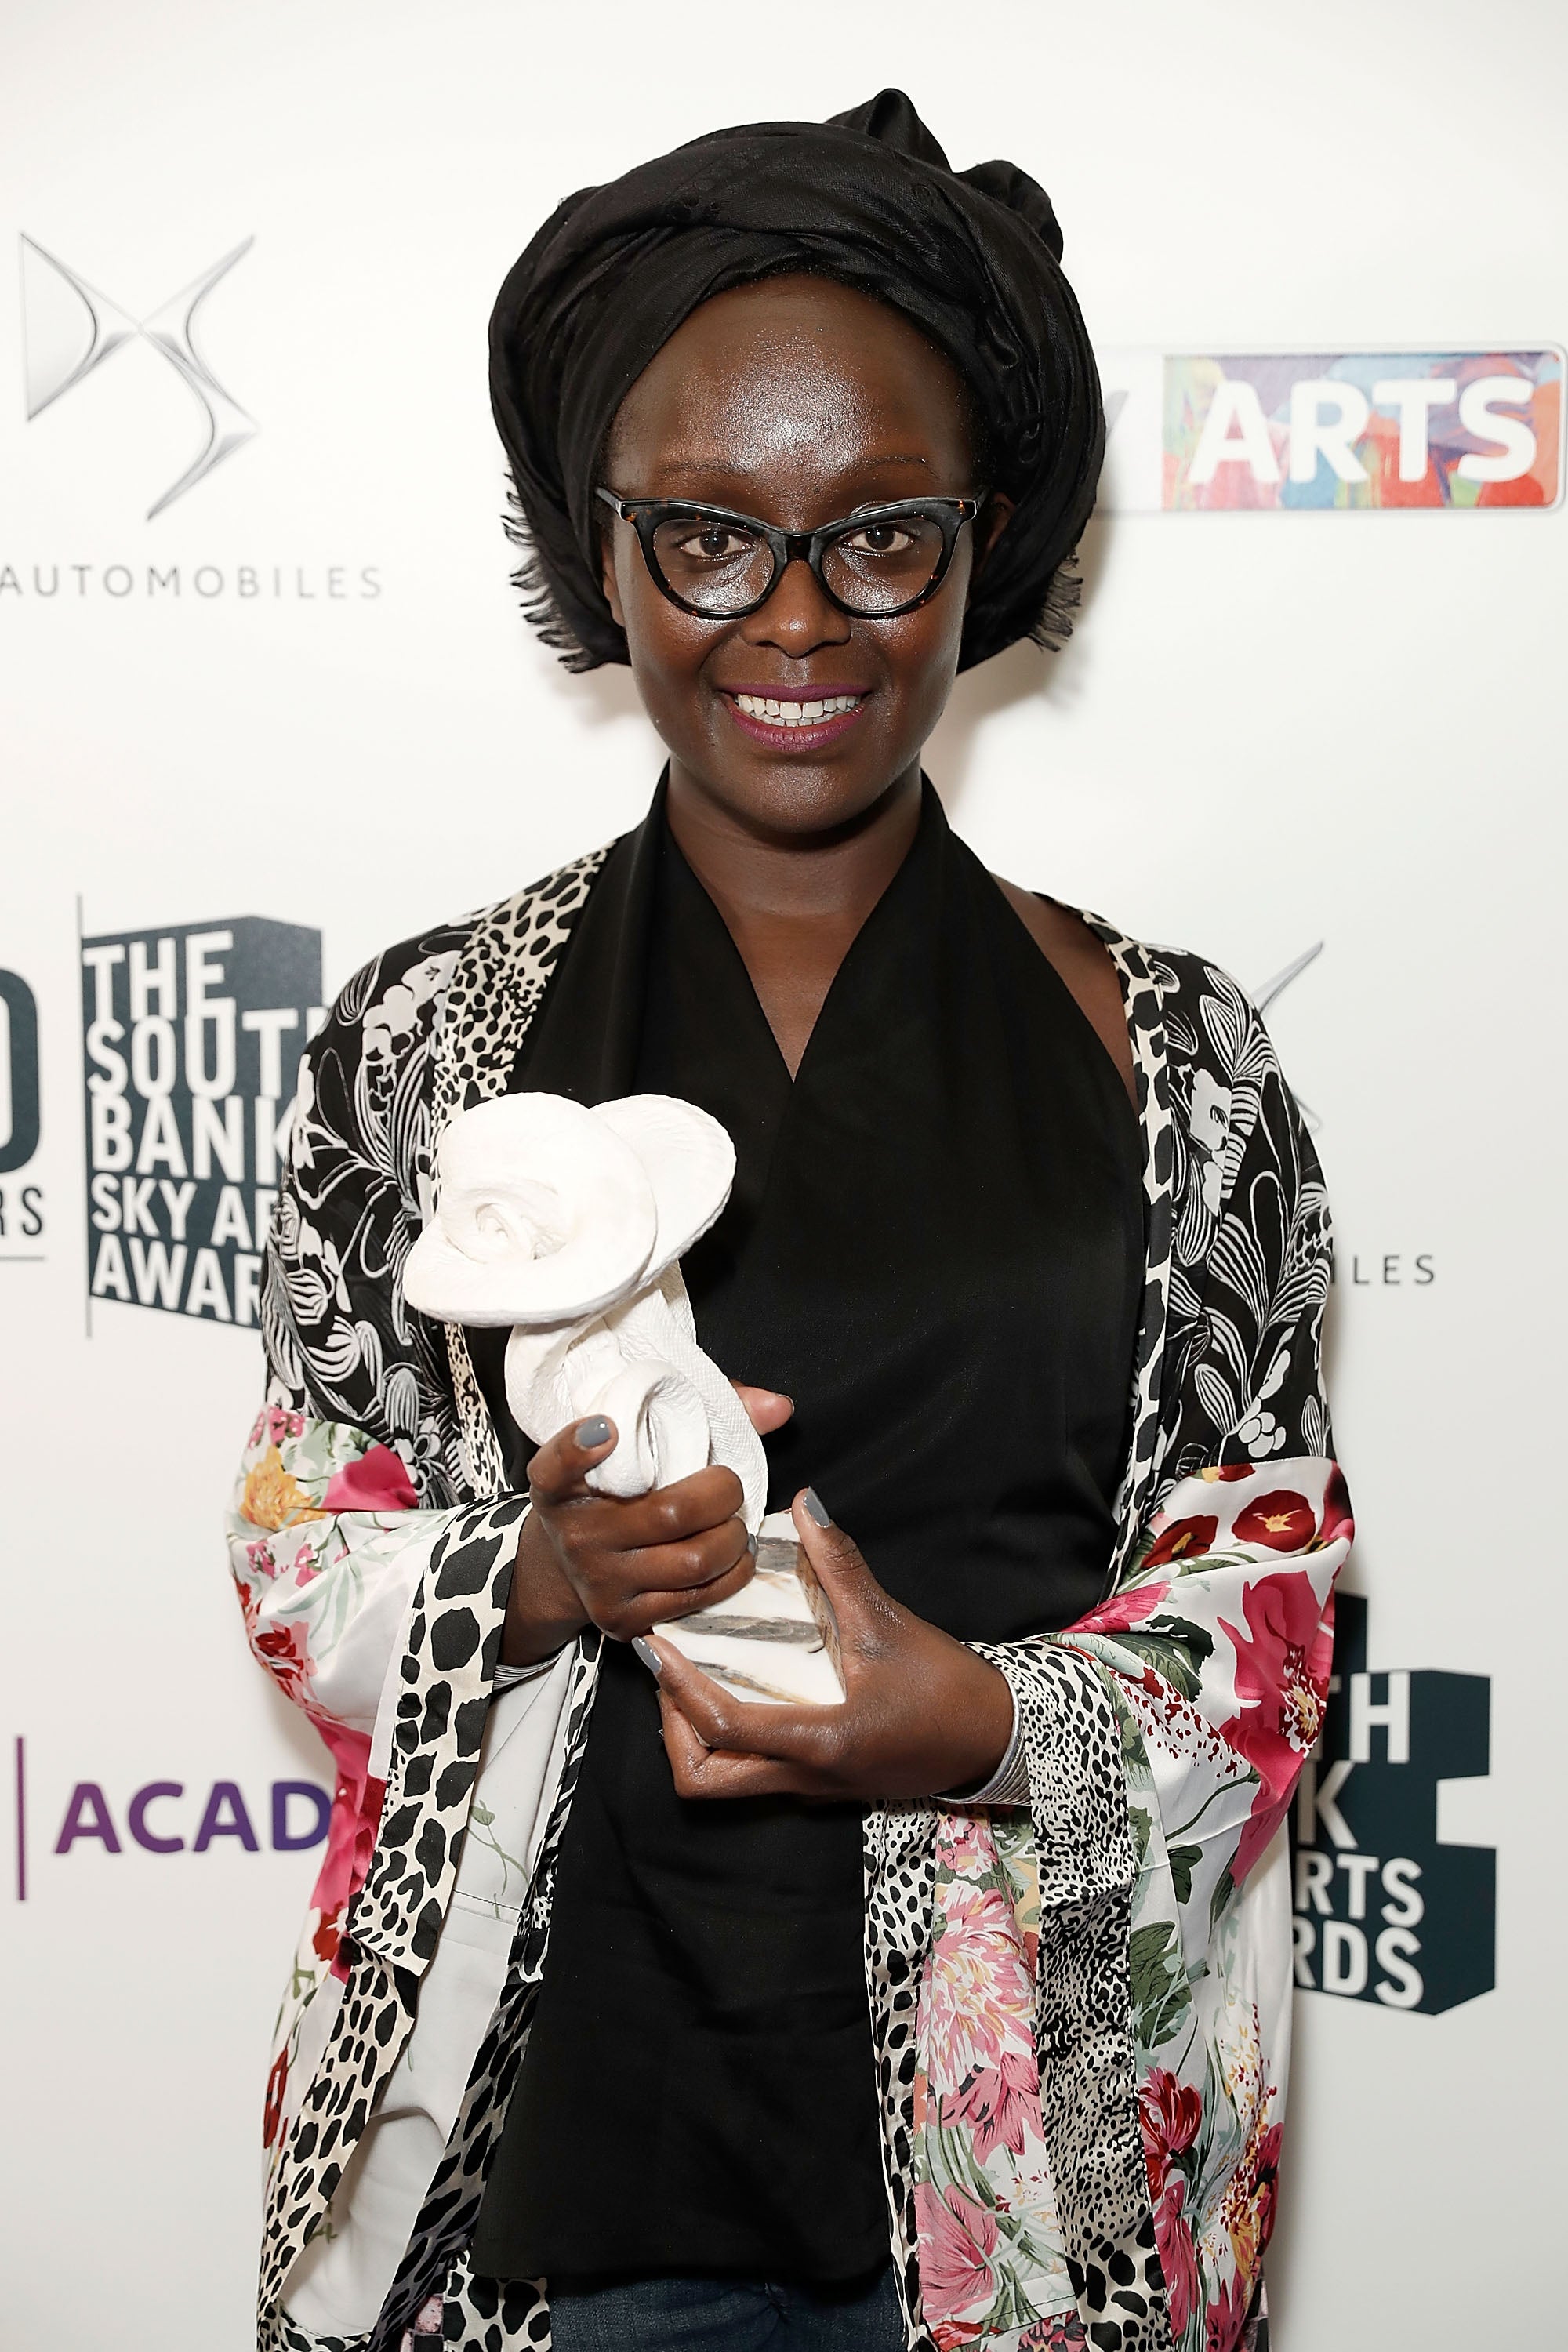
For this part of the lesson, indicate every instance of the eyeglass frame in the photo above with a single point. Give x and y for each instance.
(788, 547)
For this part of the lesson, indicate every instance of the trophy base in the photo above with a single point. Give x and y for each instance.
(775, 1642)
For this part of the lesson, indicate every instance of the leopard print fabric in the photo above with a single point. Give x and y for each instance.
(1227, 1350)
(1143, 1001)
(1083, 2025)
(436, 2259)
(899, 1865)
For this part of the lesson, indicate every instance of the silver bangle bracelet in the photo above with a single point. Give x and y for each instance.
(508, 1677)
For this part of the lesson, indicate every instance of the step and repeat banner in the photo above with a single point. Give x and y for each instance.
(269, 704)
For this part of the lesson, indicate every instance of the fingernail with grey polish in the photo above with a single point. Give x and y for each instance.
(814, 1508)
(648, 1656)
(752, 1546)
(593, 1432)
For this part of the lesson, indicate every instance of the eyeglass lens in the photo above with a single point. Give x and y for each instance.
(871, 567)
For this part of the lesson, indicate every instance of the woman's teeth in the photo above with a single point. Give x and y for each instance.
(796, 714)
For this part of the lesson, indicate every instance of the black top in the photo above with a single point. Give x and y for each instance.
(935, 1246)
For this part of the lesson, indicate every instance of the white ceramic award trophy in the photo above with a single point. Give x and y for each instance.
(569, 1224)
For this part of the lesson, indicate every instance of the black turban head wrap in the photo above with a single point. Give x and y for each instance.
(973, 258)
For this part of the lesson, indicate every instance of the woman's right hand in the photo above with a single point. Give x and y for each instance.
(587, 1559)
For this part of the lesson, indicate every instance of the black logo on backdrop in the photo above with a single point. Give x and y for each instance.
(1384, 1913)
(70, 328)
(19, 1120)
(192, 1037)
(21, 1204)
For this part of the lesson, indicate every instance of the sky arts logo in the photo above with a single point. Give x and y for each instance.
(1384, 1911)
(1337, 431)
(21, 1203)
(70, 328)
(191, 1038)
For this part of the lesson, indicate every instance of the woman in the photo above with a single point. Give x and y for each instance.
(957, 2014)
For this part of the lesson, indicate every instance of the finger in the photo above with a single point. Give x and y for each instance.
(678, 1580)
(768, 1409)
(699, 1771)
(785, 1734)
(869, 1621)
(837, 1559)
(559, 1467)
(691, 1507)
(694, 1507)
(641, 1612)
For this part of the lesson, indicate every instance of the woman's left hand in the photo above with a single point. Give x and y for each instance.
(921, 1714)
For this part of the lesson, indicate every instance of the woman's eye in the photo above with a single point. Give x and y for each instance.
(715, 542)
(879, 539)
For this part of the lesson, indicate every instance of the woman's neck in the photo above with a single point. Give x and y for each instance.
(756, 870)
(792, 902)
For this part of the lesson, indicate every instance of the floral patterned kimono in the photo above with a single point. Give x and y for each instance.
(1079, 2008)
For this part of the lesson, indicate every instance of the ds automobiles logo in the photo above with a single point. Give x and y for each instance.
(70, 328)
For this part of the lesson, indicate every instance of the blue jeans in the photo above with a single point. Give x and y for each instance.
(694, 2314)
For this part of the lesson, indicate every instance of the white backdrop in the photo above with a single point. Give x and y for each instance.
(1271, 730)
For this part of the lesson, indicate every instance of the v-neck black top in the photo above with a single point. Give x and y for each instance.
(934, 1245)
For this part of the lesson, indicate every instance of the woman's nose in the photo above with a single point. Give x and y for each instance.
(797, 616)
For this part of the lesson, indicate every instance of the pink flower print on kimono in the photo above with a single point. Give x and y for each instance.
(273, 2110)
(1062, 2331)
(1178, 2256)
(981, 2071)
(1124, 1609)
(958, 2240)
(1282, 1682)
(273, 1423)
(378, 1481)
(1169, 2117)
(351, 1839)
(1225, 2318)
(284, 1650)
(986, 2204)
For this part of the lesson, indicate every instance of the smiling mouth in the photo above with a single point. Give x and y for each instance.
(767, 711)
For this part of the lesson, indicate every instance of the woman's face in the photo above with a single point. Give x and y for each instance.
(795, 400)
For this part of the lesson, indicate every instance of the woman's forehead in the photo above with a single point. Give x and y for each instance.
(788, 369)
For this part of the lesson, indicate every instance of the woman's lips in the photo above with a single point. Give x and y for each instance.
(789, 724)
